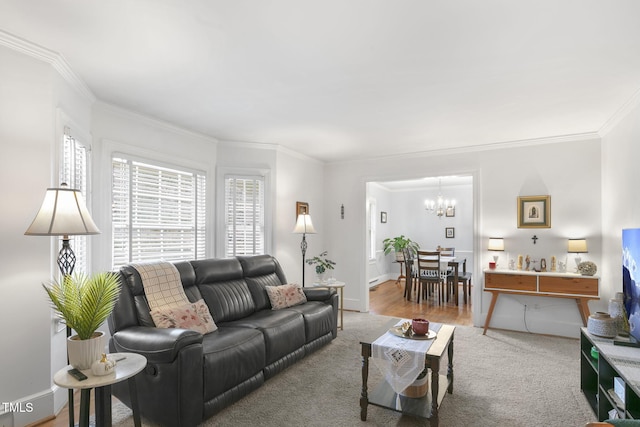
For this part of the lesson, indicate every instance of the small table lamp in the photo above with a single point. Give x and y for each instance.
(577, 246)
(304, 226)
(496, 244)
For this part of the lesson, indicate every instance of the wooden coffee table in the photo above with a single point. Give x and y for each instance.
(425, 407)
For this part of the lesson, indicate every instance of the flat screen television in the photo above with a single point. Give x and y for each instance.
(631, 281)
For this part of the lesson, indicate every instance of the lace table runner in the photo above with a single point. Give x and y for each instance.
(401, 360)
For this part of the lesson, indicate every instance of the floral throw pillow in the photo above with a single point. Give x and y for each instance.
(194, 316)
(285, 295)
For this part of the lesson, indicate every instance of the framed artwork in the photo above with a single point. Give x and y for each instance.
(534, 212)
(302, 208)
(451, 211)
(383, 217)
(449, 232)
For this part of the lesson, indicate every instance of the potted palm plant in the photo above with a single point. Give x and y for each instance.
(84, 302)
(397, 244)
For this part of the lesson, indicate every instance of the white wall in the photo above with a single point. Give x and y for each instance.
(620, 201)
(32, 99)
(564, 169)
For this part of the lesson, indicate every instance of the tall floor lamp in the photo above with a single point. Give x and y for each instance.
(304, 226)
(63, 213)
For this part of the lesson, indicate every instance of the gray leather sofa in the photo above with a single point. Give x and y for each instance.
(190, 376)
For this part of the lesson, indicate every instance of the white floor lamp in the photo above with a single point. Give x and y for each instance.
(304, 226)
(63, 213)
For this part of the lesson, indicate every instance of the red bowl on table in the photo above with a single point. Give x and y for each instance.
(420, 326)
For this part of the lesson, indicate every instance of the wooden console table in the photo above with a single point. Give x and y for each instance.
(531, 283)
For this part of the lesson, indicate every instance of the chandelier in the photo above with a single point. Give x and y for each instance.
(442, 206)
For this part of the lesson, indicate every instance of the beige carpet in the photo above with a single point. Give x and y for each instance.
(501, 379)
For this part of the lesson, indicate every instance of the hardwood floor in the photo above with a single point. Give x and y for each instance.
(388, 299)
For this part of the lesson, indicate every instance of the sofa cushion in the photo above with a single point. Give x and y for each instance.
(283, 331)
(318, 318)
(194, 316)
(231, 356)
(285, 296)
(261, 271)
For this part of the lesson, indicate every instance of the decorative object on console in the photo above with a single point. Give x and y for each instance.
(587, 268)
(553, 264)
(441, 206)
(322, 264)
(602, 325)
(496, 244)
(520, 261)
(304, 226)
(577, 246)
(534, 212)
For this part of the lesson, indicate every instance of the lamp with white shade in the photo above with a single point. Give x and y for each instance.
(304, 226)
(63, 213)
(577, 246)
(496, 244)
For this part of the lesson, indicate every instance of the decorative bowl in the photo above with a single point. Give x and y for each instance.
(602, 325)
(420, 326)
(587, 268)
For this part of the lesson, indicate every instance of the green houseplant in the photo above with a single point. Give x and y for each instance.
(84, 302)
(322, 264)
(398, 244)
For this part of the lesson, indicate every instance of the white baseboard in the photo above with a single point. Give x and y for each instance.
(28, 410)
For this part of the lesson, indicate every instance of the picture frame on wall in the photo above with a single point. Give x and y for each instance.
(449, 232)
(383, 217)
(302, 208)
(534, 212)
(450, 211)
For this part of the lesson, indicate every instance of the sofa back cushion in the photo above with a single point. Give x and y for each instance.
(260, 271)
(222, 285)
(132, 308)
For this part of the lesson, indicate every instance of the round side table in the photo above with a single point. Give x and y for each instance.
(129, 364)
(340, 287)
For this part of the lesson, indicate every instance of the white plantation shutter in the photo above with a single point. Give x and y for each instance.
(158, 213)
(244, 207)
(74, 172)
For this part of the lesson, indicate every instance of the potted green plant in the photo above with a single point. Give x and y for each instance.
(398, 244)
(322, 264)
(84, 302)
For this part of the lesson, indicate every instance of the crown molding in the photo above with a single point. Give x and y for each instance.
(152, 121)
(477, 148)
(55, 59)
(619, 115)
(269, 146)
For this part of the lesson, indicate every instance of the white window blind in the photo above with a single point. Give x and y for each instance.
(158, 213)
(244, 207)
(74, 172)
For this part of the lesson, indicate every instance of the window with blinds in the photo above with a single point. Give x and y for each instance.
(244, 207)
(74, 172)
(158, 213)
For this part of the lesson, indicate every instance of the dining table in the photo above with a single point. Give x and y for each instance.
(445, 263)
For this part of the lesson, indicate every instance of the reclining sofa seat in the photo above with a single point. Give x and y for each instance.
(189, 376)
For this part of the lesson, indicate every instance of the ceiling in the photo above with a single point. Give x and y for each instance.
(339, 80)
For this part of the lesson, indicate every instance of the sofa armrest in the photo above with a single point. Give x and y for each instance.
(319, 294)
(158, 345)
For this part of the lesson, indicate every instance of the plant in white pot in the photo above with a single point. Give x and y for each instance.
(399, 243)
(322, 264)
(84, 302)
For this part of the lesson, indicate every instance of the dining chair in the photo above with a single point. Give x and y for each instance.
(430, 278)
(410, 272)
(464, 278)
(448, 252)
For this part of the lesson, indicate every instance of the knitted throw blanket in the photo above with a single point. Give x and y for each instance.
(162, 284)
